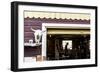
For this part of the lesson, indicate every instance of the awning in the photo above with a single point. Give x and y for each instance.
(57, 15)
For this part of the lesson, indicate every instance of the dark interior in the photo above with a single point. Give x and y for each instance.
(80, 46)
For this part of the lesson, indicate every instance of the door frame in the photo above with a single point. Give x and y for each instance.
(45, 26)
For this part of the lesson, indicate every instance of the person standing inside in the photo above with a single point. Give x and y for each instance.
(66, 49)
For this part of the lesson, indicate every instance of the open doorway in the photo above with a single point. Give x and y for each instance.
(65, 43)
(64, 47)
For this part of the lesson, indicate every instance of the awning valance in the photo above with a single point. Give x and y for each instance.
(57, 15)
